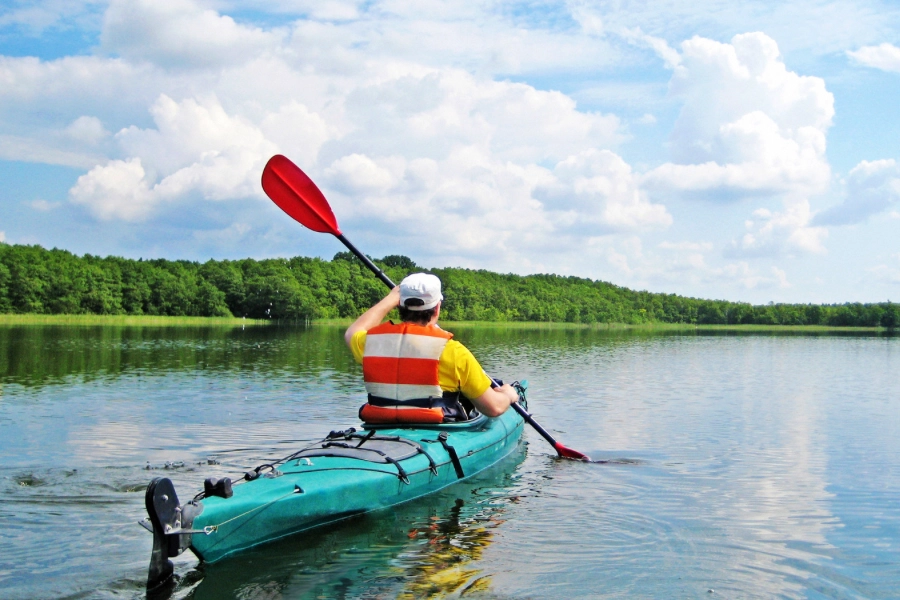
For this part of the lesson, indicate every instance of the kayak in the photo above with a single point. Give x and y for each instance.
(348, 473)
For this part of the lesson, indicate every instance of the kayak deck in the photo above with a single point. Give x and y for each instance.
(313, 490)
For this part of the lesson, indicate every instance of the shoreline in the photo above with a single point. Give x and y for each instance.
(167, 321)
(130, 320)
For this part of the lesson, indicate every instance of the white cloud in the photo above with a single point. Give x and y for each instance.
(590, 21)
(118, 190)
(748, 126)
(181, 34)
(356, 173)
(430, 112)
(2, 237)
(750, 278)
(787, 231)
(31, 84)
(597, 189)
(871, 188)
(661, 47)
(88, 130)
(330, 10)
(691, 246)
(197, 143)
(196, 148)
(684, 266)
(43, 205)
(26, 149)
(884, 56)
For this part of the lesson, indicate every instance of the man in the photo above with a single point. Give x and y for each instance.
(414, 372)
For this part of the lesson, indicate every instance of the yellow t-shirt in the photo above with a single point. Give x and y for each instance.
(458, 370)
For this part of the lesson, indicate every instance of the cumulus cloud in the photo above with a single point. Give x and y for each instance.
(431, 112)
(117, 190)
(661, 47)
(786, 231)
(748, 126)
(196, 147)
(88, 130)
(884, 56)
(871, 188)
(181, 34)
(598, 188)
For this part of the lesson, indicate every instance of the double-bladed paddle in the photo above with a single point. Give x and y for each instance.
(296, 194)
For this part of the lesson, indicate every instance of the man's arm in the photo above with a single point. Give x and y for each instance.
(375, 315)
(495, 401)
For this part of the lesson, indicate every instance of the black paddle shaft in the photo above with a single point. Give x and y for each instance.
(537, 426)
(372, 266)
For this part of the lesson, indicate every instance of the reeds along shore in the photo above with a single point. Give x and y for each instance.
(37, 281)
(7, 320)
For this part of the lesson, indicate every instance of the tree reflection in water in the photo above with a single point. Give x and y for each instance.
(440, 563)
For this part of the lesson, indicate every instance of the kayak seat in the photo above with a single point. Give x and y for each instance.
(451, 407)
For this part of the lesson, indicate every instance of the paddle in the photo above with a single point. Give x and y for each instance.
(296, 194)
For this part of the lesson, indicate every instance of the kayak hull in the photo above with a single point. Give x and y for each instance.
(304, 493)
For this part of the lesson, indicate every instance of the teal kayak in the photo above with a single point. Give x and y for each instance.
(346, 474)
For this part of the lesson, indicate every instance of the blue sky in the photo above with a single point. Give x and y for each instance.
(745, 151)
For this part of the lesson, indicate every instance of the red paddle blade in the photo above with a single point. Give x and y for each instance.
(296, 194)
(569, 453)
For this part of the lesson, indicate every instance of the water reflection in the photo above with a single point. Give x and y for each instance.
(53, 354)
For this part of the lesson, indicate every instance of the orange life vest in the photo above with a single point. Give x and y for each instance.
(400, 370)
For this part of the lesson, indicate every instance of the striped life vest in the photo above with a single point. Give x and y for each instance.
(400, 369)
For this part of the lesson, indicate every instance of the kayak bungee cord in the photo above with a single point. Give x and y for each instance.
(214, 528)
(255, 472)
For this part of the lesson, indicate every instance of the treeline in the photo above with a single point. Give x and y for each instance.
(36, 280)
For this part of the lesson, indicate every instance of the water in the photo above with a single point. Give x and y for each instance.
(736, 466)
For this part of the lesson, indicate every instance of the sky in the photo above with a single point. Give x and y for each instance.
(733, 150)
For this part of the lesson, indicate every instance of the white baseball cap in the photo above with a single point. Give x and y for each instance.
(420, 287)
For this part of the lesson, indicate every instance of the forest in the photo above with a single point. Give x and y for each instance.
(40, 281)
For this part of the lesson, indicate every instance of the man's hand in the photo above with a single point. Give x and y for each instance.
(510, 392)
(374, 315)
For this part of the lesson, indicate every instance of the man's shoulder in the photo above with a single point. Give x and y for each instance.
(457, 351)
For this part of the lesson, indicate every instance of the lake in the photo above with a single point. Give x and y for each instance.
(733, 466)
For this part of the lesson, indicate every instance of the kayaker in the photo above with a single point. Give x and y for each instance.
(413, 370)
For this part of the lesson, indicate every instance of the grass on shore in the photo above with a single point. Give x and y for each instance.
(648, 327)
(162, 321)
(135, 320)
